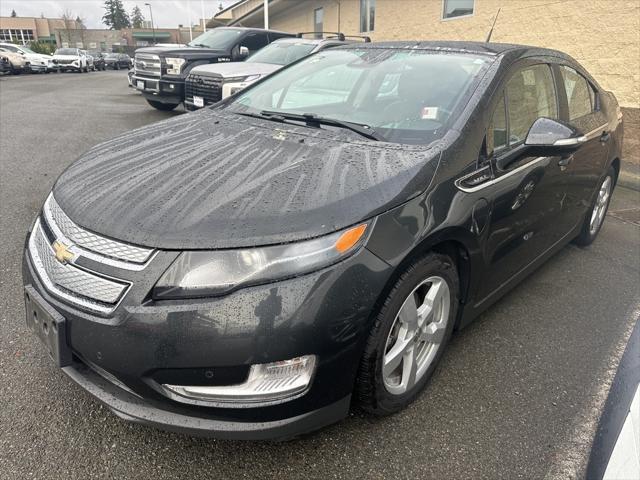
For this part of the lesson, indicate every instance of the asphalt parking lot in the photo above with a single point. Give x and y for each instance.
(518, 393)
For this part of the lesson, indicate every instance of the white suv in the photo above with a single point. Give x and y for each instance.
(70, 59)
(37, 61)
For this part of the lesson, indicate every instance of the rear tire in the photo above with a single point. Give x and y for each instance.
(594, 218)
(427, 294)
(165, 107)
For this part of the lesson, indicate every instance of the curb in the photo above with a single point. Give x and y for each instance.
(629, 176)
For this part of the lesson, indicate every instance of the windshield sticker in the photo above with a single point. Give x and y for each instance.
(429, 113)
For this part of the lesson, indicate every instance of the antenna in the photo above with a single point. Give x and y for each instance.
(493, 25)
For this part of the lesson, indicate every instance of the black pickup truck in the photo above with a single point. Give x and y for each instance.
(160, 72)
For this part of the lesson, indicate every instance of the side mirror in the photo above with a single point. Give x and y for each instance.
(244, 52)
(550, 137)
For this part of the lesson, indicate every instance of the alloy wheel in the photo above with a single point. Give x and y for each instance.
(600, 208)
(416, 334)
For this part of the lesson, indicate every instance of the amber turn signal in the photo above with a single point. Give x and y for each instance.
(349, 238)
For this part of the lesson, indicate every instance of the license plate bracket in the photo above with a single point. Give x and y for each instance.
(140, 84)
(198, 101)
(48, 325)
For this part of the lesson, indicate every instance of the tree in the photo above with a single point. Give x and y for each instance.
(115, 16)
(69, 26)
(13, 13)
(137, 18)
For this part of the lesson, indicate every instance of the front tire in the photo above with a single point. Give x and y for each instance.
(409, 335)
(165, 107)
(595, 216)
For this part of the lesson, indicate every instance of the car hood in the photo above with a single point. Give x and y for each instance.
(236, 69)
(183, 51)
(212, 179)
(66, 57)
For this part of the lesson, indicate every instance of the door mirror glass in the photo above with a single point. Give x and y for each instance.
(244, 52)
(553, 135)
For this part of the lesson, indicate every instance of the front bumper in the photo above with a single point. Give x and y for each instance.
(123, 359)
(129, 407)
(160, 90)
(37, 67)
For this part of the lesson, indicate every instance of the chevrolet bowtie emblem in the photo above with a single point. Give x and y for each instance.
(62, 253)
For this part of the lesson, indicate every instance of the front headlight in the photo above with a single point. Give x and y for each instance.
(203, 274)
(174, 65)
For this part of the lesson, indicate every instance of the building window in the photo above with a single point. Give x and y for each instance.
(17, 36)
(367, 15)
(457, 8)
(318, 21)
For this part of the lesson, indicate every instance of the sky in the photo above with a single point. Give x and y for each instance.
(166, 13)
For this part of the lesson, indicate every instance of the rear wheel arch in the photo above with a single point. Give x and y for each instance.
(615, 163)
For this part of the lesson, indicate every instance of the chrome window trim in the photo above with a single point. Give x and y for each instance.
(594, 133)
(50, 286)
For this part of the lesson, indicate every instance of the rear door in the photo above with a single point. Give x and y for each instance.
(581, 108)
(527, 193)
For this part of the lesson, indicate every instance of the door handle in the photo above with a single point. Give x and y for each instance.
(605, 137)
(564, 161)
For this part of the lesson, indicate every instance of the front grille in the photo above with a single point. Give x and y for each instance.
(65, 61)
(146, 64)
(70, 282)
(205, 86)
(65, 229)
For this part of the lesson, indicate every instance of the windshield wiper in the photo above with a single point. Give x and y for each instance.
(313, 120)
(197, 45)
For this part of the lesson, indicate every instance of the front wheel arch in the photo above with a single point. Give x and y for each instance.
(444, 244)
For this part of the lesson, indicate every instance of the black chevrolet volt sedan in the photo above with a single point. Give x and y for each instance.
(254, 269)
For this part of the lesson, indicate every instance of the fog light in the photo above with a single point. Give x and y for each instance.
(267, 383)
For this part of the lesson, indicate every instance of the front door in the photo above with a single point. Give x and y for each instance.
(528, 194)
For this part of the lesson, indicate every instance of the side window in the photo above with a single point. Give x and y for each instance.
(530, 95)
(255, 41)
(580, 95)
(497, 131)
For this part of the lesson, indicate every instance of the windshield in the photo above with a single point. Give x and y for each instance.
(282, 53)
(66, 51)
(27, 50)
(221, 38)
(113, 56)
(406, 96)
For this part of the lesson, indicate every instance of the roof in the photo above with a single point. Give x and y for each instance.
(252, 29)
(456, 46)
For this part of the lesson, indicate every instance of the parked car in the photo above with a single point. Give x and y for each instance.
(70, 59)
(18, 63)
(90, 64)
(251, 270)
(209, 84)
(160, 72)
(38, 62)
(98, 59)
(5, 65)
(117, 61)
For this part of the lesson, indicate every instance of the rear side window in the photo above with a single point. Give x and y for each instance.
(580, 95)
(530, 95)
